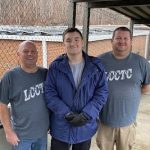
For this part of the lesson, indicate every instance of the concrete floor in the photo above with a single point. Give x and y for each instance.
(143, 125)
(3, 143)
(142, 136)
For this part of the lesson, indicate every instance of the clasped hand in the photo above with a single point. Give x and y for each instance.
(76, 119)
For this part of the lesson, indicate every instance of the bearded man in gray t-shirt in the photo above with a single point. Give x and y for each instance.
(22, 87)
(128, 74)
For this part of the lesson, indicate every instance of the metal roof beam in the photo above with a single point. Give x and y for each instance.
(140, 12)
(109, 4)
(141, 21)
(126, 13)
(93, 0)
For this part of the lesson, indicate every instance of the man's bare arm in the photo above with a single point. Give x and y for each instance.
(145, 89)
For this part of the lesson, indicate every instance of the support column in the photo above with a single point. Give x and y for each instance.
(44, 53)
(86, 20)
(72, 14)
(131, 25)
(147, 47)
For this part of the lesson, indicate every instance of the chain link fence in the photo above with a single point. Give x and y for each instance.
(43, 21)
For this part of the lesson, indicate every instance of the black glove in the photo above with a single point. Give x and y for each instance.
(69, 116)
(77, 119)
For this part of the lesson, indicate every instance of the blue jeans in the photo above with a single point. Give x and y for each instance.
(36, 144)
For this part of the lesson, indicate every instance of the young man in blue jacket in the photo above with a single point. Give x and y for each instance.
(75, 91)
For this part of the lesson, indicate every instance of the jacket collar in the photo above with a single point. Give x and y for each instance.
(63, 64)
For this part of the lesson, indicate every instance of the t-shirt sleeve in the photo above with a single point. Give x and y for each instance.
(146, 72)
(5, 89)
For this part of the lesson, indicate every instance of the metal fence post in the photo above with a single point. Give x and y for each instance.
(44, 53)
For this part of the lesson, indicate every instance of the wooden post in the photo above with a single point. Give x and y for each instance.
(147, 47)
(72, 14)
(86, 18)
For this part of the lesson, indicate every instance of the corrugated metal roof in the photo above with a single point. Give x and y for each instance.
(32, 30)
(54, 33)
(137, 10)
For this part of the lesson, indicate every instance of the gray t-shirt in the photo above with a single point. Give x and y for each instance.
(125, 77)
(77, 70)
(24, 91)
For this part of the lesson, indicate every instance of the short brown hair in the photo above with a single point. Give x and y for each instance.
(70, 30)
(122, 29)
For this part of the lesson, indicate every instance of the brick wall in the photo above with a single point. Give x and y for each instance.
(9, 59)
(98, 47)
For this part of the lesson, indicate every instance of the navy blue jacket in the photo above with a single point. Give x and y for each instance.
(62, 97)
